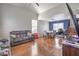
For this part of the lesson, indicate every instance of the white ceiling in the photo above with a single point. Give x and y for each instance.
(28, 6)
(43, 6)
(75, 7)
(32, 6)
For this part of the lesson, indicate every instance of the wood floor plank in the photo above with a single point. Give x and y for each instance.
(41, 47)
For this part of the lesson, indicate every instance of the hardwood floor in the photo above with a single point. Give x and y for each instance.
(41, 47)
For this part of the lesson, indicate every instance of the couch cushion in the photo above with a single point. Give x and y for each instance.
(17, 40)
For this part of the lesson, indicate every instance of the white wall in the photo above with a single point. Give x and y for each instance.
(16, 18)
(42, 26)
(0, 21)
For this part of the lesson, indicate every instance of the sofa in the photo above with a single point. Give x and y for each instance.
(19, 37)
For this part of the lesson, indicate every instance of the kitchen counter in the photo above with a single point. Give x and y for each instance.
(73, 44)
(70, 48)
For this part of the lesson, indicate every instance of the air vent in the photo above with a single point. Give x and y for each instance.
(37, 4)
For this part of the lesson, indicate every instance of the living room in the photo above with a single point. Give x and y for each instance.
(38, 29)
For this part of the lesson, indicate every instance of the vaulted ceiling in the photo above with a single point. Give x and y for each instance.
(45, 6)
(34, 6)
(42, 7)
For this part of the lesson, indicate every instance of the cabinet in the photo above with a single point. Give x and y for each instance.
(70, 50)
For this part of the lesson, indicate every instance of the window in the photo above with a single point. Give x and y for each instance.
(57, 26)
(34, 26)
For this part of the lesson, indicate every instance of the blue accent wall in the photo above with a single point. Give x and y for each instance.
(66, 24)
